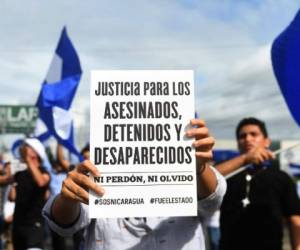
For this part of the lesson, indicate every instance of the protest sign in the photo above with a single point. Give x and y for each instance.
(138, 124)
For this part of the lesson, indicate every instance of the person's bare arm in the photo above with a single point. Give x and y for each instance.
(12, 193)
(229, 166)
(66, 206)
(255, 156)
(294, 230)
(203, 144)
(61, 159)
(6, 178)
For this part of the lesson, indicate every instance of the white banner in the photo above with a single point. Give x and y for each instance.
(138, 124)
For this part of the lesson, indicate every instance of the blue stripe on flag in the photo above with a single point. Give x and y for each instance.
(285, 55)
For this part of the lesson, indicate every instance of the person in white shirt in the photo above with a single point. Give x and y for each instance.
(68, 212)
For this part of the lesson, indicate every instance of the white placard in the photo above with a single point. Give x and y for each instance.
(138, 124)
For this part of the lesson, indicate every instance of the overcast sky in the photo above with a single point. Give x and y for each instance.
(226, 42)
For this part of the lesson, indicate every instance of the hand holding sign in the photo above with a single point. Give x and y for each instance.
(203, 141)
(75, 186)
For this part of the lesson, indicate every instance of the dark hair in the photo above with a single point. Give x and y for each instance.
(22, 152)
(86, 148)
(251, 121)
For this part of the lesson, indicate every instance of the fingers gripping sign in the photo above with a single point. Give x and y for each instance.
(203, 142)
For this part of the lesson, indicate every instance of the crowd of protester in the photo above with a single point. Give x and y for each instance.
(26, 183)
(44, 186)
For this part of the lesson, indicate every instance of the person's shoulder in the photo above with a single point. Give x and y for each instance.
(280, 174)
(22, 176)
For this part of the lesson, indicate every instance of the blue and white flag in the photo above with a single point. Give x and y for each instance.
(57, 93)
(285, 55)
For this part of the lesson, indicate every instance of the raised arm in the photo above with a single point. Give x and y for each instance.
(255, 156)
(203, 143)
(61, 159)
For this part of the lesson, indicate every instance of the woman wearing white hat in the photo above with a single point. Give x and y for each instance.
(30, 192)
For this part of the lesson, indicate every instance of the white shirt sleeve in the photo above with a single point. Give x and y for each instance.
(210, 204)
(81, 222)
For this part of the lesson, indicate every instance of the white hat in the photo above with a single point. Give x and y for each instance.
(37, 146)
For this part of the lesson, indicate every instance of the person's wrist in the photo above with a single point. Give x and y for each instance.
(245, 159)
(202, 168)
(64, 199)
(62, 202)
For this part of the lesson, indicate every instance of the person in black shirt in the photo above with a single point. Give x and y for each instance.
(258, 199)
(30, 196)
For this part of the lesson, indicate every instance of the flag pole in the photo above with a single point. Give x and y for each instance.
(276, 152)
